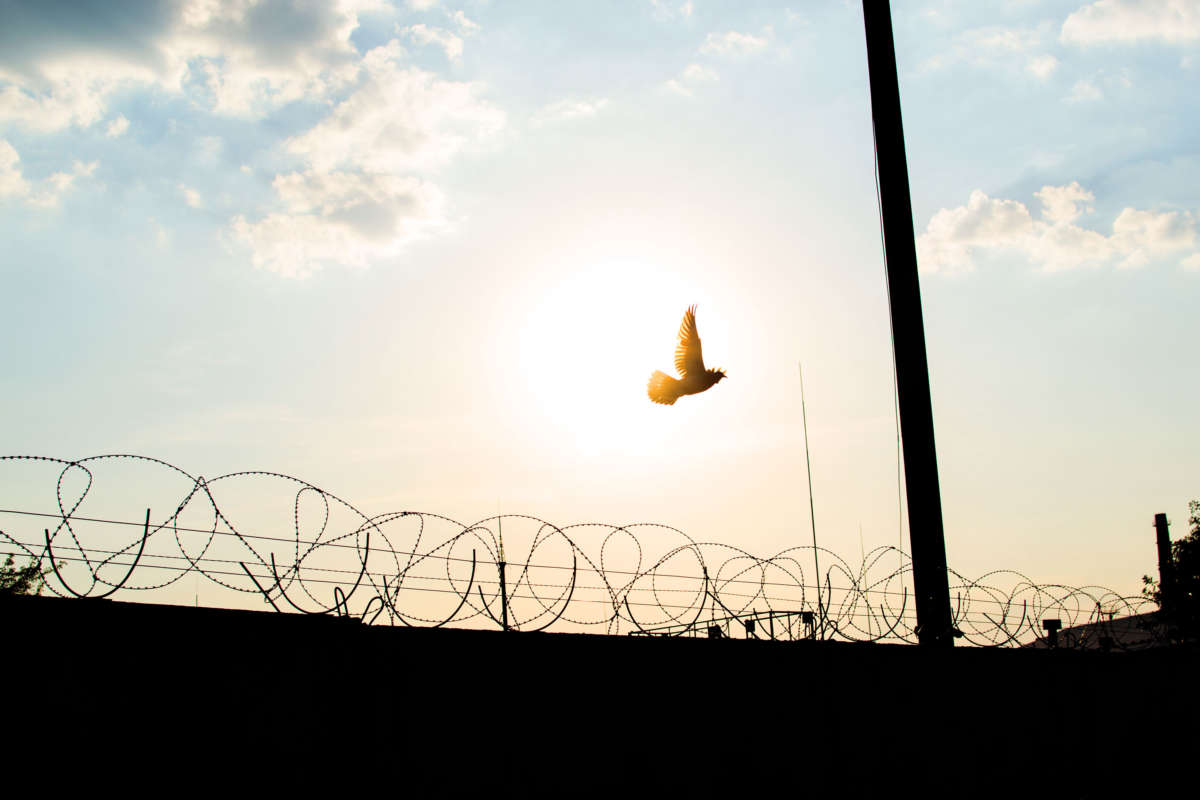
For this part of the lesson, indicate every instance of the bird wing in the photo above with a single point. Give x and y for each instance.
(689, 358)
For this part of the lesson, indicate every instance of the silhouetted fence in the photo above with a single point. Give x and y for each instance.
(265, 539)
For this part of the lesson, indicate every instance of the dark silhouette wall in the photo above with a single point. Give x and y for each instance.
(565, 712)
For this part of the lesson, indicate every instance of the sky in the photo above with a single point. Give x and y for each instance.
(426, 254)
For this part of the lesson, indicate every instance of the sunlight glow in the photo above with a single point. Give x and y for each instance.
(587, 351)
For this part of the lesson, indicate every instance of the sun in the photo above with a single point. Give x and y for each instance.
(586, 351)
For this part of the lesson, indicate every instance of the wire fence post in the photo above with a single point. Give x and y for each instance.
(503, 584)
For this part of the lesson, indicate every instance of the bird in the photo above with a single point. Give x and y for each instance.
(689, 363)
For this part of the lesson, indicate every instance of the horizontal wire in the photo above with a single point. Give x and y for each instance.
(852, 595)
(762, 563)
(868, 614)
(983, 589)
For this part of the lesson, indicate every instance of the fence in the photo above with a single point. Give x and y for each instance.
(318, 554)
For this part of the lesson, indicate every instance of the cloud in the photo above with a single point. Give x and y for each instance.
(349, 219)
(954, 234)
(1191, 263)
(255, 57)
(58, 67)
(692, 76)
(117, 127)
(1062, 203)
(1042, 66)
(569, 109)
(400, 119)
(75, 95)
(191, 196)
(12, 183)
(996, 46)
(50, 192)
(423, 35)
(733, 44)
(954, 237)
(465, 26)
(46, 193)
(359, 199)
(1084, 91)
(1126, 21)
(666, 10)
(1142, 236)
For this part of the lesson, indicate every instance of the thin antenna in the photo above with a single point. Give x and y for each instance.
(500, 528)
(811, 506)
(862, 547)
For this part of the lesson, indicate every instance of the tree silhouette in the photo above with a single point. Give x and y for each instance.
(21, 580)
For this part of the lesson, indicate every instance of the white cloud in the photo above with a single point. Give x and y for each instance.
(1191, 263)
(49, 192)
(421, 5)
(993, 46)
(231, 55)
(465, 26)
(1142, 236)
(983, 223)
(117, 127)
(191, 196)
(1017, 40)
(400, 119)
(71, 94)
(695, 73)
(1042, 66)
(250, 63)
(1107, 21)
(46, 193)
(954, 237)
(1084, 91)
(733, 43)
(12, 183)
(1062, 203)
(692, 76)
(344, 218)
(666, 10)
(1063, 246)
(424, 35)
(358, 201)
(569, 109)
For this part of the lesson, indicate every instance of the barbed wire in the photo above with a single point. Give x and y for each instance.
(318, 554)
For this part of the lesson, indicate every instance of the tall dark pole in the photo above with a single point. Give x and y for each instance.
(1166, 566)
(934, 627)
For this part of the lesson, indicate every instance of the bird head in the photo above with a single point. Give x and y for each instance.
(719, 374)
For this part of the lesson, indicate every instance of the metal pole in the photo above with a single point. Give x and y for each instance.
(1166, 566)
(503, 583)
(934, 626)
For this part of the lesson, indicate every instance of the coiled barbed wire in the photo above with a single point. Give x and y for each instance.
(423, 569)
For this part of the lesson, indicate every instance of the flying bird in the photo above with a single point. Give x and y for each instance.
(689, 363)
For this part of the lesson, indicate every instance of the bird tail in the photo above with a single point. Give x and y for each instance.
(662, 388)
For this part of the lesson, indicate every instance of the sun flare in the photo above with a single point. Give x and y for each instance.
(587, 351)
